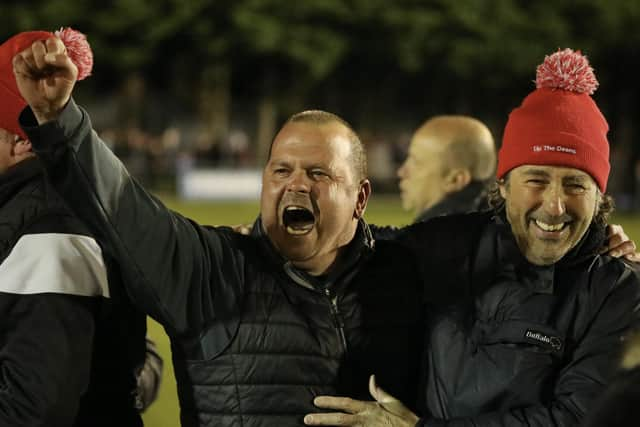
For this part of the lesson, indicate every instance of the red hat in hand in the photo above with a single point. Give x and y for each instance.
(559, 124)
(12, 103)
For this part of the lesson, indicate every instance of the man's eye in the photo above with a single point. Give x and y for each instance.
(318, 173)
(281, 171)
(536, 181)
(576, 188)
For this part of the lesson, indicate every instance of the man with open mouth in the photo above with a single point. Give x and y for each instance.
(260, 324)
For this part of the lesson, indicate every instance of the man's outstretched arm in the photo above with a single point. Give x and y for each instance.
(168, 261)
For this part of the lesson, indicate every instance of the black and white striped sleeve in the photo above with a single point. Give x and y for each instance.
(50, 288)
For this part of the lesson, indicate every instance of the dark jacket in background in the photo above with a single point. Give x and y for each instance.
(472, 198)
(69, 343)
(254, 340)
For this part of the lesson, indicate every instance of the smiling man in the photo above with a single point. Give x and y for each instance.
(534, 334)
(259, 324)
(549, 208)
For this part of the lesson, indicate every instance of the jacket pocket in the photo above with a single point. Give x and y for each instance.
(520, 333)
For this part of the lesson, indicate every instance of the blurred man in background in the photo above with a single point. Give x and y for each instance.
(72, 348)
(450, 161)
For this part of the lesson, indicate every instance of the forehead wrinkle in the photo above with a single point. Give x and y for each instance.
(536, 172)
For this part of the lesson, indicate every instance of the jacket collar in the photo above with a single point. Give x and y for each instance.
(471, 198)
(14, 178)
(541, 278)
(351, 259)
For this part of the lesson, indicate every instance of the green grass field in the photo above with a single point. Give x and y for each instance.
(381, 210)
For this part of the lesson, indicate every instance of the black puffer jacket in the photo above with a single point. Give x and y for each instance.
(515, 344)
(69, 343)
(254, 340)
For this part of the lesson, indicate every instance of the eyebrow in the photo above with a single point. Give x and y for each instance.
(280, 162)
(577, 179)
(536, 172)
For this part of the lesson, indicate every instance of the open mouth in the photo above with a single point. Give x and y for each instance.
(298, 220)
(551, 228)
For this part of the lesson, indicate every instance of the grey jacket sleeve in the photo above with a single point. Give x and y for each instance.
(174, 269)
(587, 370)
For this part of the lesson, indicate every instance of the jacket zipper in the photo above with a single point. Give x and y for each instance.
(338, 322)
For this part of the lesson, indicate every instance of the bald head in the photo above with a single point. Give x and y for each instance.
(465, 142)
(446, 154)
(320, 118)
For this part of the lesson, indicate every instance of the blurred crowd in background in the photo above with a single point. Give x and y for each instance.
(205, 83)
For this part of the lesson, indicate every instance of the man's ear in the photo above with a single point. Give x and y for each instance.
(456, 179)
(502, 186)
(364, 191)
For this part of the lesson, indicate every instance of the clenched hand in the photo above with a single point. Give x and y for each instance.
(45, 76)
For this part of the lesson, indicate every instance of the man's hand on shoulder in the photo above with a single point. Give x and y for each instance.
(619, 244)
(45, 76)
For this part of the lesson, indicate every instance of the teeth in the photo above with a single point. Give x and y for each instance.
(297, 231)
(549, 227)
(294, 208)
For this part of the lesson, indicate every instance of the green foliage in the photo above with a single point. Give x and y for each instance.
(316, 36)
(319, 34)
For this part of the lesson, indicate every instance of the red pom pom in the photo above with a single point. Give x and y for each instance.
(566, 70)
(78, 49)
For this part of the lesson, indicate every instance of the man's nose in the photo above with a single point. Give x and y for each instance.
(402, 170)
(554, 202)
(299, 181)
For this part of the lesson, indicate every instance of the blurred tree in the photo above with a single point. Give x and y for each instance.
(376, 62)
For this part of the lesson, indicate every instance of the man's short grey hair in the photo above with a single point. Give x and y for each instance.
(320, 117)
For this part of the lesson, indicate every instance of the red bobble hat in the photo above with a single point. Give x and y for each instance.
(559, 124)
(11, 103)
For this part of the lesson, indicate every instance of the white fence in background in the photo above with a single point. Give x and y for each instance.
(219, 184)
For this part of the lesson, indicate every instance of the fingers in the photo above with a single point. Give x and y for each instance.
(625, 249)
(373, 387)
(56, 55)
(619, 244)
(21, 67)
(616, 236)
(344, 404)
(331, 419)
(613, 229)
(43, 58)
(38, 51)
(633, 257)
(378, 393)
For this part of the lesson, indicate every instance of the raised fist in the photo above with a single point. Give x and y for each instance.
(45, 76)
